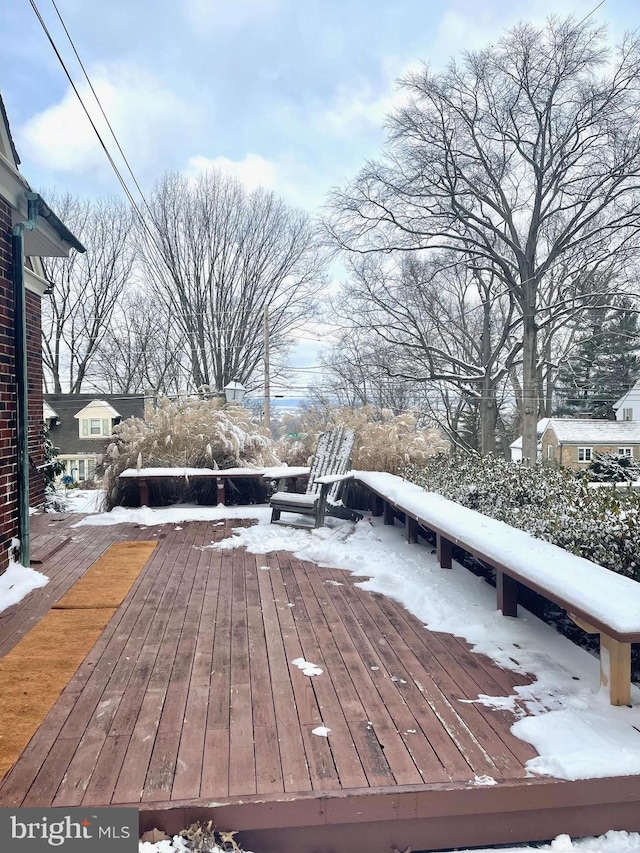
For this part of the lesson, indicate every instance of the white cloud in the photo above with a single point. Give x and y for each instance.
(363, 105)
(205, 16)
(144, 114)
(464, 25)
(469, 25)
(254, 171)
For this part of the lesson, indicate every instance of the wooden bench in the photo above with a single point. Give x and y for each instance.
(144, 475)
(598, 600)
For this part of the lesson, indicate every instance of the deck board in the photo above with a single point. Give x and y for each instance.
(190, 695)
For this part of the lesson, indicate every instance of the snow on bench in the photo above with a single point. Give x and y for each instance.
(597, 599)
(143, 475)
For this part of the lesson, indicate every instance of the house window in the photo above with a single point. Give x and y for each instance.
(81, 469)
(550, 451)
(584, 454)
(627, 414)
(625, 451)
(95, 427)
(91, 469)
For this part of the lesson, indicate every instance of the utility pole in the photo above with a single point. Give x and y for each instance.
(267, 389)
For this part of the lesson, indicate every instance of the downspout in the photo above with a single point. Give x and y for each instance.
(22, 385)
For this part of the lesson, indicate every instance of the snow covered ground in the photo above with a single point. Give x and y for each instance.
(612, 842)
(17, 582)
(563, 713)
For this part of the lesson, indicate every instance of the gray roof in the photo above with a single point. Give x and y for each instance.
(5, 119)
(540, 428)
(65, 434)
(585, 431)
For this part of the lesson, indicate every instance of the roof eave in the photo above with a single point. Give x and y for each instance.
(59, 227)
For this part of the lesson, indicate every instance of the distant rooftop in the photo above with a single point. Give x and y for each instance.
(579, 431)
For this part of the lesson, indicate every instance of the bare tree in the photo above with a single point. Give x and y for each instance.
(526, 155)
(217, 257)
(354, 373)
(86, 288)
(141, 351)
(436, 321)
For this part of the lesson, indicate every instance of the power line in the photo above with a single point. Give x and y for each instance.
(97, 99)
(595, 9)
(86, 111)
(103, 145)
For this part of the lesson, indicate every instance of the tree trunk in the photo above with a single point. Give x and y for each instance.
(529, 390)
(488, 417)
(488, 407)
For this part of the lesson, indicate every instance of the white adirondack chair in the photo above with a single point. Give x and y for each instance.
(328, 471)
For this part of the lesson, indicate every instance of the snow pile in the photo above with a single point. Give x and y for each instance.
(151, 516)
(84, 500)
(17, 582)
(307, 668)
(612, 842)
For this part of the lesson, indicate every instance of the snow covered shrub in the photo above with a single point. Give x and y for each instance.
(384, 442)
(389, 444)
(613, 468)
(187, 434)
(298, 450)
(549, 502)
(55, 499)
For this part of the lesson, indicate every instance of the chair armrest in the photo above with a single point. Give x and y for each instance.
(284, 473)
(330, 479)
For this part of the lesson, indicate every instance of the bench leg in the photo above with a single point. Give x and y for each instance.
(443, 551)
(143, 489)
(389, 514)
(412, 530)
(275, 514)
(507, 592)
(377, 505)
(615, 669)
(220, 490)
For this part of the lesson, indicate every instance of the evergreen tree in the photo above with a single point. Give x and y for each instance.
(611, 468)
(602, 365)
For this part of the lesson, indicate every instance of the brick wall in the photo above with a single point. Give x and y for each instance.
(8, 443)
(8, 463)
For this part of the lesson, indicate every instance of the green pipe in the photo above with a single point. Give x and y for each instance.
(22, 383)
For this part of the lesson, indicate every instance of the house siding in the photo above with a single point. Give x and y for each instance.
(8, 420)
(35, 380)
(567, 455)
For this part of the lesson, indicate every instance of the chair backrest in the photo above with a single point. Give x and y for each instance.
(332, 456)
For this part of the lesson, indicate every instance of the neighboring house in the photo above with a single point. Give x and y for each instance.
(81, 426)
(574, 443)
(29, 230)
(516, 446)
(628, 406)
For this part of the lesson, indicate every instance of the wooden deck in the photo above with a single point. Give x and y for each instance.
(189, 707)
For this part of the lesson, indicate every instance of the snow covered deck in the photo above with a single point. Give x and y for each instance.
(202, 699)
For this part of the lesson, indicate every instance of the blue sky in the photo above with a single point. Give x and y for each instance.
(291, 93)
(288, 93)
